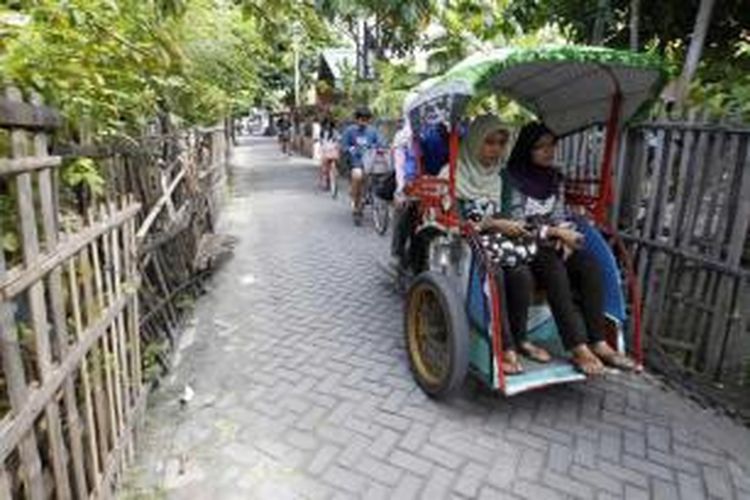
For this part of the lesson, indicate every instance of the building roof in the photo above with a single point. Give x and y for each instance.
(338, 59)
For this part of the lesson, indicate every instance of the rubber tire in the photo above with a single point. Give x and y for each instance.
(333, 184)
(380, 215)
(453, 309)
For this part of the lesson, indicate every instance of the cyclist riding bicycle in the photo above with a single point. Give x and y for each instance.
(329, 151)
(356, 140)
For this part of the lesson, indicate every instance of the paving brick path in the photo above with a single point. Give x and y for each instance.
(302, 388)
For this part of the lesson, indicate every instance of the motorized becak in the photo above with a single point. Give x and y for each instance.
(453, 313)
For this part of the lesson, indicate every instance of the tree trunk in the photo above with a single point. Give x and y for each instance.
(695, 50)
(601, 14)
(635, 14)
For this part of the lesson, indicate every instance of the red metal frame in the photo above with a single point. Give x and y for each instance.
(610, 149)
(634, 290)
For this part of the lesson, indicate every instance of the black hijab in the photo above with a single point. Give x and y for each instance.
(533, 180)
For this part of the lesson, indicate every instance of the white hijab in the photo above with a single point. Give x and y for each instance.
(475, 181)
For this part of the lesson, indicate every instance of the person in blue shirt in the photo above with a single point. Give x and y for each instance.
(356, 140)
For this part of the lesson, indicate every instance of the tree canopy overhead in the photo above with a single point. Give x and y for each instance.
(116, 64)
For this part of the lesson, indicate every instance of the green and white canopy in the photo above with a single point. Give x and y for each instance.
(568, 87)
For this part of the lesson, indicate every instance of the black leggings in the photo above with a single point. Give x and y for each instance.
(575, 293)
(518, 287)
(404, 219)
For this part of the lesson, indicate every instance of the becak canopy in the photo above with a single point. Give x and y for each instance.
(569, 87)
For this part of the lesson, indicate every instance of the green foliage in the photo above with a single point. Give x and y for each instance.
(115, 65)
(665, 28)
(397, 23)
(10, 242)
(83, 173)
(725, 89)
(394, 83)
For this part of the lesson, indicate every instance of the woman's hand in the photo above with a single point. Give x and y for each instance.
(510, 228)
(570, 237)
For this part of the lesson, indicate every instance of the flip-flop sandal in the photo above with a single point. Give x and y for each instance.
(535, 352)
(511, 365)
(619, 361)
(580, 363)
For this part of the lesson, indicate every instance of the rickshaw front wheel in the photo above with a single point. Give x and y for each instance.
(437, 334)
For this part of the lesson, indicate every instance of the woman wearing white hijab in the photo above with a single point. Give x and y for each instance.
(479, 191)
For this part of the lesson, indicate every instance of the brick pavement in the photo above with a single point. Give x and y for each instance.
(302, 388)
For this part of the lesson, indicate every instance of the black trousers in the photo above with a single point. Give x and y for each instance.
(575, 293)
(518, 285)
(404, 219)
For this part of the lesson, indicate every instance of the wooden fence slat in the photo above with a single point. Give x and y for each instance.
(726, 177)
(164, 288)
(720, 326)
(738, 341)
(18, 391)
(18, 280)
(697, 175)
(663, 307)
(115, 289)
(5, 491)
(113, 426)
(111, 465)
(645, 269)
(37, 398)
(659, 275)
(113, 333)
(16, 113)
(134, 312)
(30, 250)
(56, 296)
(687, 280)
(705, 282)
(159, 205)
(14, 166)
(88, 400)
(91, 308)
(129, 256)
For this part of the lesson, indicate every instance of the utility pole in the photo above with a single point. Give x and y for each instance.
(296, 44)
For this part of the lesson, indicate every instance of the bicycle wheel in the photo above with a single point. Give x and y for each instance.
(381, 215)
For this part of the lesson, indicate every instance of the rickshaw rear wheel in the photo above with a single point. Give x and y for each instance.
(437, 334)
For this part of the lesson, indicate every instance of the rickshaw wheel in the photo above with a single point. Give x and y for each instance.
(437, 334)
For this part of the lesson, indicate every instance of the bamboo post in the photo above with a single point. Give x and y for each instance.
(50, 229)
(88, 399)
(30, 246)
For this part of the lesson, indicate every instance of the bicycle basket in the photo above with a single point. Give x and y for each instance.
(384, 185)
(377, 161)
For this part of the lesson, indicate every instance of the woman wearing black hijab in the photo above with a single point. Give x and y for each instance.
(560, 266)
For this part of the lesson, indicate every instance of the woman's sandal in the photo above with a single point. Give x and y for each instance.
(586, 361)
(511, 364)
(534, 352)
(612, 358)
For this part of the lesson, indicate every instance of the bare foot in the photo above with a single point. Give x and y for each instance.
(586, 361)
(612, 358)
(535, 352)
(511, 364)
